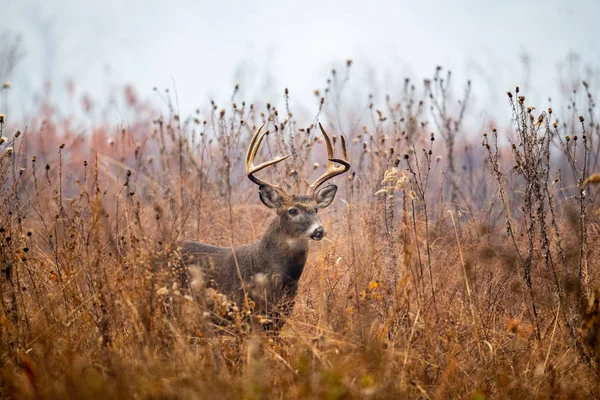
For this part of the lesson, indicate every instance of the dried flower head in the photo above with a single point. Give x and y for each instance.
(389, 176)
(540, 119)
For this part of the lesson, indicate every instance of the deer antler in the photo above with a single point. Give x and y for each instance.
(251, 169)
(332, 170)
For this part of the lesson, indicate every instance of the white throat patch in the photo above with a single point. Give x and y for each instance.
(291, 242)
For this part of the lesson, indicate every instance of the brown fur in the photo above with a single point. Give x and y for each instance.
(271, 267)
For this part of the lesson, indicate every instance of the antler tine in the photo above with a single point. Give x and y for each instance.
(253, 147)
(344, 160)
(252, 143)
(332, 170)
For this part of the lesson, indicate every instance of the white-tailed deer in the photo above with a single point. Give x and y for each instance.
(268, 270)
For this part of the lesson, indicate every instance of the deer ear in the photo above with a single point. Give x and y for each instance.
(325, 196)
(269, 196)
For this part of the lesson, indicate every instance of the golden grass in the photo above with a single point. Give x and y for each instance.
(411, 296)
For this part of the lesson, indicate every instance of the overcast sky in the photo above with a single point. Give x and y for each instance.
(205, 47)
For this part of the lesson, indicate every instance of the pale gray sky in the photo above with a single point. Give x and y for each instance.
(206, 47)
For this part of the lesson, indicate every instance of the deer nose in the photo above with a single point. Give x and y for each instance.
(318, 233)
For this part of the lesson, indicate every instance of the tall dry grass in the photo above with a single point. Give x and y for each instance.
(451, 269)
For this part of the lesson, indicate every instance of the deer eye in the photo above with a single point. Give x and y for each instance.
(293, 211)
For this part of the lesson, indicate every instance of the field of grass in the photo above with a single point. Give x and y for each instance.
(457, 264)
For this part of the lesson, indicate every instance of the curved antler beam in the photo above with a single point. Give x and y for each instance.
(253, 147)
(332, 169)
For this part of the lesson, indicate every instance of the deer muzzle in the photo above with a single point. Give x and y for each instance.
(318, 233)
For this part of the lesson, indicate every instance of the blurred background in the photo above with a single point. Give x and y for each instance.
(200, 50)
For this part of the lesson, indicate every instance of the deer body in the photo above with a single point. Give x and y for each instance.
(268, 271)
(278, 261)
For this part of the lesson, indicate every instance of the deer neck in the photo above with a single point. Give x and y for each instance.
(288, 255)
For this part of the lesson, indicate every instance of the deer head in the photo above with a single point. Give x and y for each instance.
(297, 213)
